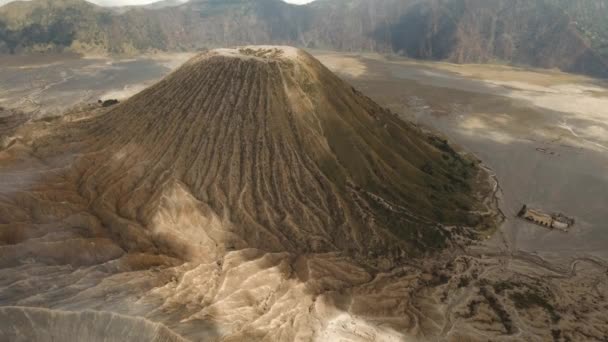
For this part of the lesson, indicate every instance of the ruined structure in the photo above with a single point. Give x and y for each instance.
(549, 220)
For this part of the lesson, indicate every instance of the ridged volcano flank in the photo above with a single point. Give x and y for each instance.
(264, 147)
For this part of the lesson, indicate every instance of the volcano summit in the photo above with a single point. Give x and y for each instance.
(251, 194)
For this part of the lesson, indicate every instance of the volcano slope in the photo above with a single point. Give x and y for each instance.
(251, 194)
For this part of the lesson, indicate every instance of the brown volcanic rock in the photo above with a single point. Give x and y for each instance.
(282, 153)
(248, 181)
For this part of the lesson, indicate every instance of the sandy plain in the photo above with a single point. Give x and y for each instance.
(544, 133)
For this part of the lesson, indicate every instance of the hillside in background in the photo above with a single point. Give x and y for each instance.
(569, 35)
(590, 18)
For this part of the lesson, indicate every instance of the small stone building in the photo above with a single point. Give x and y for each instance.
(557, 221)
(538, 217)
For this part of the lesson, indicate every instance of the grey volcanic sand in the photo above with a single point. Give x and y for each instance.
(504, 115)
(51, 84)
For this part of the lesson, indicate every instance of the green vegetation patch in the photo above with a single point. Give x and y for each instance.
(530, 299)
